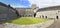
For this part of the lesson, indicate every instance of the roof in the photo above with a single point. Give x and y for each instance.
(8, 6)
(49, 8)
(2, 4)
(23, 8)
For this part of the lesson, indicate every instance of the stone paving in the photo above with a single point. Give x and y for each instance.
(2, 26)
(56, 24)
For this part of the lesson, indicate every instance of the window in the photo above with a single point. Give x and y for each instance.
(56, 17)
(42, 16)
(45, 16)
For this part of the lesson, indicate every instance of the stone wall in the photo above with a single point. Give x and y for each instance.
(7, 13)
(49, 13)
(12, 13)
(25, 12)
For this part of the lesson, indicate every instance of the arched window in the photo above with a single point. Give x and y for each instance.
(57, 17)
(42, 16)
(45, 16)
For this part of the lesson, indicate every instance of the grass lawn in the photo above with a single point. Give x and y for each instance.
(28, 20)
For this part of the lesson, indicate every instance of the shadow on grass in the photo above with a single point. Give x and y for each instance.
(8, 21)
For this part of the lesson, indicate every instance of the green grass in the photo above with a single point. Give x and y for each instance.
(28, 20)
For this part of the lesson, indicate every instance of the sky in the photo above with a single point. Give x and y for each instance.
(28, 3)
(17, 3)
(45, 3)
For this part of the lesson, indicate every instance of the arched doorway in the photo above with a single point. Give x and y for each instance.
(57, 17)
(34, 14)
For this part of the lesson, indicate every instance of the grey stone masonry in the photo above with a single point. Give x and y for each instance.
(7, 12)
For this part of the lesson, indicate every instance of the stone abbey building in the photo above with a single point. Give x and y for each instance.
(49, 12)
(7, 12)
(27, 12)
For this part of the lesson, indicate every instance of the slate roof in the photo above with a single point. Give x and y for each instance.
(8, 6)
(2, 4)
(49, 8)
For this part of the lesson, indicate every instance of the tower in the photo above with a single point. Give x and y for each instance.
(33, 6)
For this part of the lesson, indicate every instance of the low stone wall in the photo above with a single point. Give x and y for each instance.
(40, 25)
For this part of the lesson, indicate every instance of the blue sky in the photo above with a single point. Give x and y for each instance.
(27, 3)
(22, 3)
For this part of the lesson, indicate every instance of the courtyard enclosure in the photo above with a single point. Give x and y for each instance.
(28, 20)
(27, 12)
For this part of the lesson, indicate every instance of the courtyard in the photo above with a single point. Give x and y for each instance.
(27, 22)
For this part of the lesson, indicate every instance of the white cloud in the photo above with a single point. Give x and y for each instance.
(45, 3)
(18, 6)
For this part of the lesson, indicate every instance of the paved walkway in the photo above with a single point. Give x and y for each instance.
(48, 24)
(1, 25)
(56, 24)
